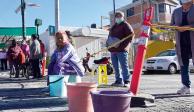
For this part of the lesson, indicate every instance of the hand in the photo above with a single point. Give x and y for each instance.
(183, 28)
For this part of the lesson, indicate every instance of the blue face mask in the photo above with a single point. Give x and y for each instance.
(119, 20)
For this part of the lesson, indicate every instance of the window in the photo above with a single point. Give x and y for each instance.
(156, 18)
(167, 53)
(162, 8)
(130, 12)
(166, 8)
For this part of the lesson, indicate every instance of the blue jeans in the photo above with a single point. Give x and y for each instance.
(185, 72)
(122, 58)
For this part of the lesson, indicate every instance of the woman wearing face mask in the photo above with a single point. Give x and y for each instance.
(119, 53)
(184, 17)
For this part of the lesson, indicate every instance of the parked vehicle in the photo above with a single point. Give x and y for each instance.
(164, 61)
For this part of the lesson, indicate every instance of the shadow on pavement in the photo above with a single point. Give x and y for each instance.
(171, 95)
(156, 73)
(19, 80)
(28, 99)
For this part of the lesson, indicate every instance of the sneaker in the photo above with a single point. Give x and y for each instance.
(184, 90)
(117, 83)
(126, 83)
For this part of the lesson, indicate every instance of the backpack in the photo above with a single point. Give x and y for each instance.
(21, 57)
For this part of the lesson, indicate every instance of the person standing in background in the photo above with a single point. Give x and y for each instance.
(43, 56)
(25, 48)
(119, 53)
(184, 17)
(35, 56)
(85, 62)
(3, 59)
(12, 56)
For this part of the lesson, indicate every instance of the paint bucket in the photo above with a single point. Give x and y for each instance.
(79, 98)
(111, 101)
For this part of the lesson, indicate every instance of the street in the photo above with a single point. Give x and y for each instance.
(21, 95)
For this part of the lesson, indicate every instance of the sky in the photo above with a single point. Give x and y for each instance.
(72, 12)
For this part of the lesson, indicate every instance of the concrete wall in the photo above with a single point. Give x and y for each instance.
(93, 45)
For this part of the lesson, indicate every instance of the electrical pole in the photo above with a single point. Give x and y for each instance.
(57, 20)
(101, 21)
(37, 31)
(23, 6)
(114, 6)
(114, 11)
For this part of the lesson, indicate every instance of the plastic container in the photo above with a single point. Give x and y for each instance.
(111, 101)
(57, 86)
(79, 98)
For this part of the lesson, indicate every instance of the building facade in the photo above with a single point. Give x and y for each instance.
(134, 11)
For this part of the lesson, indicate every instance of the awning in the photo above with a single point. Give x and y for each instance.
(2, 45)
(16, 31)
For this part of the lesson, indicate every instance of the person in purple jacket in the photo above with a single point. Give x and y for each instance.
(65, 60)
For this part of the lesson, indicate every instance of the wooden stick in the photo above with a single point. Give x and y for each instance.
(116, 43)
(173, 27)
(105, 49)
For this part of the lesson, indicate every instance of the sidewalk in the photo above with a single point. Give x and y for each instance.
(21, 95)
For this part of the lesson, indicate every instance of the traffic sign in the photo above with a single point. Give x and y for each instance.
(51, 30)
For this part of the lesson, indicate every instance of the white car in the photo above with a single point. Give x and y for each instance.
(164, 61)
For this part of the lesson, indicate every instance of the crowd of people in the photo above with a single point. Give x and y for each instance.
(20, 54)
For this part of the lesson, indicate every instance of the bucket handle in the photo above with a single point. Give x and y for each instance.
(56, 80)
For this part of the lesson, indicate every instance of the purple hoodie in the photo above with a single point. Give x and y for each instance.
(66, 62)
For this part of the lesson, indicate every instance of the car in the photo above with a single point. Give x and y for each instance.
(164, 61)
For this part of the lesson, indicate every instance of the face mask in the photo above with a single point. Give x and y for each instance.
(119, 20)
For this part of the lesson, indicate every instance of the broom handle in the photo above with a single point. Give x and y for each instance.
(173, 27)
